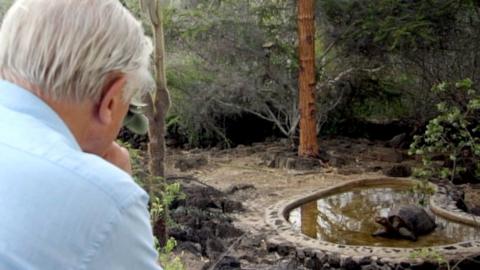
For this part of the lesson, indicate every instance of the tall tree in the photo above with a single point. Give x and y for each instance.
(306, 33)
(158, 106)
(160, 101)
(308, 146)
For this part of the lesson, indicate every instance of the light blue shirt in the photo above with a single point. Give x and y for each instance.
(60, 208)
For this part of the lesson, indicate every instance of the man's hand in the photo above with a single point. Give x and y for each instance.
(118, 156)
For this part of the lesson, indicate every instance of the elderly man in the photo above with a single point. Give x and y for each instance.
(69, 69)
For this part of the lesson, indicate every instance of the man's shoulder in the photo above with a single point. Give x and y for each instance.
(45, 154)
(56, 165)
(69, 201)
(104, 176)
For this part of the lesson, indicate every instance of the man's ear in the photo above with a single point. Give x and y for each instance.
(112, 96)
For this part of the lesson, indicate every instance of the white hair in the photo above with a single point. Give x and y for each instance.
(69, 48)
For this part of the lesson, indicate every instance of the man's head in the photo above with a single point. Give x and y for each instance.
(89, 55)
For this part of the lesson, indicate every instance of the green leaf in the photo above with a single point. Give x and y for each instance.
(464, 84)
(441, 107)
(474, 104)
(441, 87)
(137, 123)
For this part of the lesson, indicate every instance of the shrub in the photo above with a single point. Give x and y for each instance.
(162, 196)
(450, 146)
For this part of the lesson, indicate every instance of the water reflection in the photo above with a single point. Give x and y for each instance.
(309, 212)
(348, 218)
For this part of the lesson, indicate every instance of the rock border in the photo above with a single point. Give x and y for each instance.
(441, 205)
(290, 240)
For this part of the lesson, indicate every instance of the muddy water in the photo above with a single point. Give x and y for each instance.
(348, 218)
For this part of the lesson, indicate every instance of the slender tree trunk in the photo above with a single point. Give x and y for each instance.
(306, 32)
(158, 107)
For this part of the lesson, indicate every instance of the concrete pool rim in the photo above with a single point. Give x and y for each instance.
(276, 217)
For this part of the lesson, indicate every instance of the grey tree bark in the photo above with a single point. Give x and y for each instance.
(160, 101)
(158, 106)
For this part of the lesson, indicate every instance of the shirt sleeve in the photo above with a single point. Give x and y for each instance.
(130, 244)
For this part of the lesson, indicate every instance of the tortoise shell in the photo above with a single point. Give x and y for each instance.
(408, 221)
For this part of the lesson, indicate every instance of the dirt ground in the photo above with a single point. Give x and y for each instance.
(247, 165)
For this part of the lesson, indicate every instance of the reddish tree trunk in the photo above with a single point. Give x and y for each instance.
(308, 123)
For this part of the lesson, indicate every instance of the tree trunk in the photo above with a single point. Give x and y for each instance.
(306, 82)
(158, 107)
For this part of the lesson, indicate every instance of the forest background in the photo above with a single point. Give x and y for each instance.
(232, 66)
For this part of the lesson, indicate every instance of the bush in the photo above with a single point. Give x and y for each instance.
(162, 196)
(450, 146)
(167, 259)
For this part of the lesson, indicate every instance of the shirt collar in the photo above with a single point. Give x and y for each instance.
(23, 101)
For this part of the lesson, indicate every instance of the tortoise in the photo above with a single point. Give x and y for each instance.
(407, 222)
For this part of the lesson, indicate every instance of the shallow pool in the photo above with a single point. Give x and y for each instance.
(348, 218)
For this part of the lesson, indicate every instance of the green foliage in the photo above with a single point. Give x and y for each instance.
(4, 6)
(378, 98)
(453, 134)
(162, 195)
(227, 58)
(133, 6)
(391, 25)
(160, 204)
(368, 97)
(423, 189)
(194, 114)
(429, 254)
(136, 121)
(167, 259)
(417, 43)
(230, 58)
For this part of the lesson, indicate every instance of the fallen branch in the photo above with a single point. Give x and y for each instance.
(224, 254)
